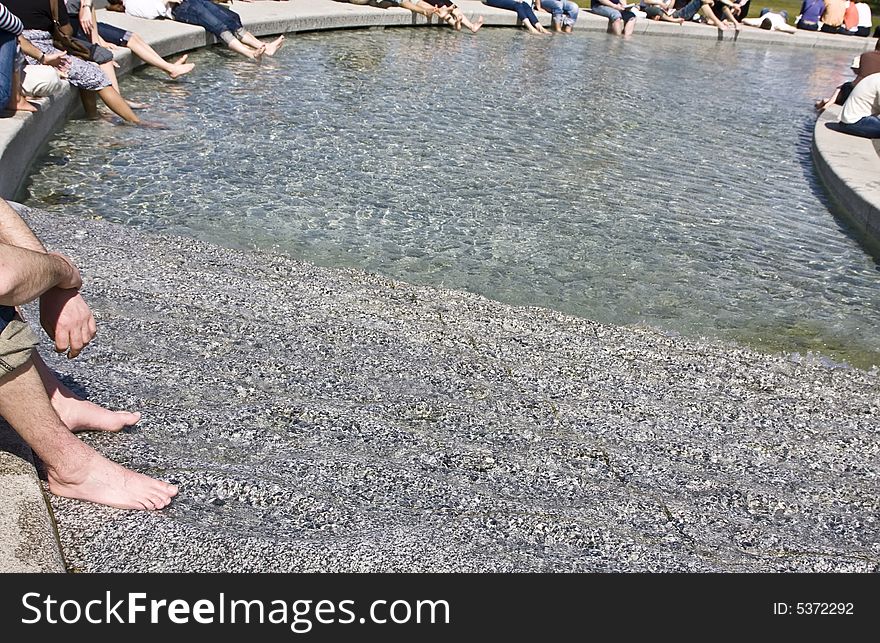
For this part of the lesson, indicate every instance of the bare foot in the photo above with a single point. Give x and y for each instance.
(79, 415)
(136, 105)
(258, 54)
(274, 46)
(92, 477)
(23, 106)
(179, 69)
(477, 25)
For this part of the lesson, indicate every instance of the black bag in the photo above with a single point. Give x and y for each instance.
(76, 46)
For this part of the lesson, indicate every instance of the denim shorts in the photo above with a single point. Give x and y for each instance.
(613, 15)
(114, 35)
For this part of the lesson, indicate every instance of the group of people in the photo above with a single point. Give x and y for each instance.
(835, 16)
(830, 16)
(859, 98)
(35, 36)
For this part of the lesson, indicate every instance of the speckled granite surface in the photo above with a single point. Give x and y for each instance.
(323, 419)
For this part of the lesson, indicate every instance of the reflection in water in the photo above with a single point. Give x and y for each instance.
(649, 181)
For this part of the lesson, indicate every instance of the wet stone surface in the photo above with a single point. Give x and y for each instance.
(326, 419)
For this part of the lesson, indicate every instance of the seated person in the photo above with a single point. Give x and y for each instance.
(81, 14)
(449, 12)
(811, 12)
(564, 13)
(621, 20)
(37, 43)
(859, 115)
(33, 401)
(832, 17)
(11, 99)
(524, 14)
(771, 21)
(416, 6)
(665, 10)
(863, 28)
(731, 11)
(223, 23)
(869, 64)
(842, 92)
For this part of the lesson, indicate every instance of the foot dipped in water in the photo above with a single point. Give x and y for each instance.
(274, 46)
(180, 67)
(89, 476)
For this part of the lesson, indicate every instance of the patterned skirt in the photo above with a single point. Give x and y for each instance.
(81, 74)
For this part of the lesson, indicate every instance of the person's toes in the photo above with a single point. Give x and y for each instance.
(129, 418)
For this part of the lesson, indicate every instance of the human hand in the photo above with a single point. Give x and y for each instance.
(85, 19)
(57, 59)
(67, 319)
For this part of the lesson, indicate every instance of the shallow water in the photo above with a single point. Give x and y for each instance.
(665, 182)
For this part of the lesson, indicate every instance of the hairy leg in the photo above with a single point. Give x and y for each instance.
(74, 469)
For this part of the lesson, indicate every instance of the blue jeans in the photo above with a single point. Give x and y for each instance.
(688, 11)
(867, 127)
(8, 49)
(564, 11)
(523, 11)
(204, 13)
(613, 15)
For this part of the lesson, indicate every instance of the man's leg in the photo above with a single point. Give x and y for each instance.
(74, 469)
(76, 413)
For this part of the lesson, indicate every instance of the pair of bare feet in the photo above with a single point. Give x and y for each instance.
(455, 19)
(536, 29)
(267, 49)
(84, 474)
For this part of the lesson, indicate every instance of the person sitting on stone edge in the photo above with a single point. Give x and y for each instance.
(33, 401)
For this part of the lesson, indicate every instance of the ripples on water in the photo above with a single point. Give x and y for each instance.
(654, 181)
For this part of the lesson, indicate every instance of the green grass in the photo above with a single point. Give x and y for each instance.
(793, 7)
